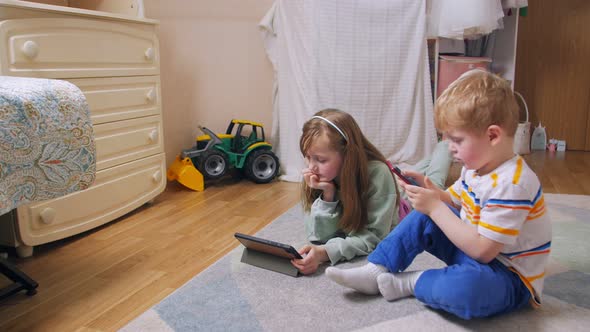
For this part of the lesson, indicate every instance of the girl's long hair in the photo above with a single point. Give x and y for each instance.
(354, 174)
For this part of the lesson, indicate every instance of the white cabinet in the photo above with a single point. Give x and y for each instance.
(66, 48)
(114, 59)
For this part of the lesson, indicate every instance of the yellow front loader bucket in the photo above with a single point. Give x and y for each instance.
(183, 171)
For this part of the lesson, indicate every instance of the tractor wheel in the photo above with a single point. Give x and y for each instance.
(214, 164)
(262, 166)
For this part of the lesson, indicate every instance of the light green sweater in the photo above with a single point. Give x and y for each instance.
(321, 224)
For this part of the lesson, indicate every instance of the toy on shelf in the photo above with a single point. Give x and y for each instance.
(243, 147)
(539, 139)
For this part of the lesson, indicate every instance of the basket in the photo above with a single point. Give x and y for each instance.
(522, 137)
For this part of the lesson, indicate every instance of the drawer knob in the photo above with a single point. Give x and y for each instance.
(157, 176)
(151, 96)
(153, 136)
(30, 49)
(149, 53)
(47, 215)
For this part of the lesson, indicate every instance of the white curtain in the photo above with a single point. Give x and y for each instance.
(466, 19)
(368, 58)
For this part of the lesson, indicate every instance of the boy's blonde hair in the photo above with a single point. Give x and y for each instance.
(356, 151)
(475, 101)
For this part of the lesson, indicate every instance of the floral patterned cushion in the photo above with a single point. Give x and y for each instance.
(46, 141)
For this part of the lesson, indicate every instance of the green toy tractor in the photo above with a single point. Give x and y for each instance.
(243, 147)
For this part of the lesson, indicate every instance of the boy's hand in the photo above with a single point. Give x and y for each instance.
(313, 181)
(313, 256)
(417, 176)
(425, 199)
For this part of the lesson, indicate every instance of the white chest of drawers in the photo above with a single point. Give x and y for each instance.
(114, 60)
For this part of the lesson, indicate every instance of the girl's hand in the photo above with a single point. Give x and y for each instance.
(313, 181)
(424, 199)
(313, 256)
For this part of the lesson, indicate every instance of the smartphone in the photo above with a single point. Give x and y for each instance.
(404, 178)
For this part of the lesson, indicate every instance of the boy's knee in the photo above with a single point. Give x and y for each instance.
(468, 297)
(414, 216)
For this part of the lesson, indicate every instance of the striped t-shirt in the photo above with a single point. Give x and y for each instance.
(507, 206)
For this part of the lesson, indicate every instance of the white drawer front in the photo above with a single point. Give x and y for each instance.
(68, 48)
(116, 191)
(124, 141)
(120, 98)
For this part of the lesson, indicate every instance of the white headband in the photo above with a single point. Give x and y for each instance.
(331, 124)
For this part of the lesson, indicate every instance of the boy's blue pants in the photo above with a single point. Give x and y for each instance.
(465, 287)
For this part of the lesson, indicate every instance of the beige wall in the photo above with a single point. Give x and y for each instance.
(213, 66)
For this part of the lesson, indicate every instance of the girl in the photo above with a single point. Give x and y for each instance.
(349, 193)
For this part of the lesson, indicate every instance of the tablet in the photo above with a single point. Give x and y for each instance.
(267, 246)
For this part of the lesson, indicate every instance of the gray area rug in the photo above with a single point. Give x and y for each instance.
(233, 296)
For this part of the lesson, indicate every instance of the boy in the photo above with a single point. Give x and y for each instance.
(497, 247)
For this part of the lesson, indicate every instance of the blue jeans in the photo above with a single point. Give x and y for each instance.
(465, 288)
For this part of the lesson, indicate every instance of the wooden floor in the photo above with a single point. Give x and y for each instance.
(99, 280)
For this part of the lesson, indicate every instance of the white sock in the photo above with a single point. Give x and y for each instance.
(362, 279)
(394, 286)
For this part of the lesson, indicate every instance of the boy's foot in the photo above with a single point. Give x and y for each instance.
(362, 279)
(395, 286)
